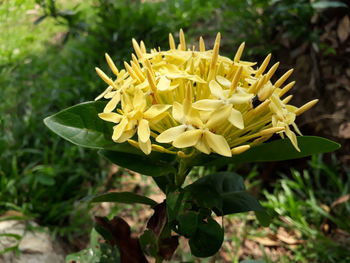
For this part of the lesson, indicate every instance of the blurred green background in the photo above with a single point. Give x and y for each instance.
(48, 51)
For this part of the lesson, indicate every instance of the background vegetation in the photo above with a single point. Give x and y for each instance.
(48, 51)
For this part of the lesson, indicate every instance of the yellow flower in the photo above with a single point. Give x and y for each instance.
(135, 116)
(197, 101)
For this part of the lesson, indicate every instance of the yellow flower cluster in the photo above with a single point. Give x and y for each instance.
(182, 100)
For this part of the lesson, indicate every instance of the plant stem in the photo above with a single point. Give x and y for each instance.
(181, 174)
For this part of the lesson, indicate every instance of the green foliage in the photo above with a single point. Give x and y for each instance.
(40, 175)
(321, 185)
(272, 151)
(207, 240)
(302, 200)
(189, 210)
(266, 24)
(72, 19)
(96, 252)
(153, 165)
(80, 125)
(225, 192)
(148, 241)
(124, 197)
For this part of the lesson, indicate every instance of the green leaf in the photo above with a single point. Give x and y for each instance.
(327, 4)
(143, 164)
(124, 197)
(225, 192)
(207, 240)
(104, 232)
(176, 203)
(45, 180)
(278, 150)
(264, 218)
(188, 223)
(80, 125)
(205, 195)
(237, 202)
(148, 242)
(165, 183)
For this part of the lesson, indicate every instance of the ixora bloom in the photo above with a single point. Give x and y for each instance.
(182, 100)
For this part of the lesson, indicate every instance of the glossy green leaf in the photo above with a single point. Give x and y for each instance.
(278, 150)
(188, 223)
(225, 193)
(165, 183)
(124, 197)
(205, 195)
(264, 218)
(207, 240)
(143, 164)
(176, 203)
(81, 125)
(237, 202)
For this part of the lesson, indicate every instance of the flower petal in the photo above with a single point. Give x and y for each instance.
(219, 116)
(143, 130)
(236, 119)
(171, 134)
(193, 117)
(241, 98)
(155, 110)
(177, 111)
(109, 88)
(126, 135)
(216, 89)
(112, 104)
(111, 94)
(203, 147)
(111, 117)
(139, 100)
(119, 129)
(146, 147)
(293, 138)
(217, 143)
(223, 81)
(207, 104)
(163, 84)
(188, 139)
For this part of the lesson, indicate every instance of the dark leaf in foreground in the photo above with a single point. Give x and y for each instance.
(278, 150)
(168, 247)
(158, 220)
(143, 164)
(208, 239)
(124, 197)
(225, 192)
(120, 235)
